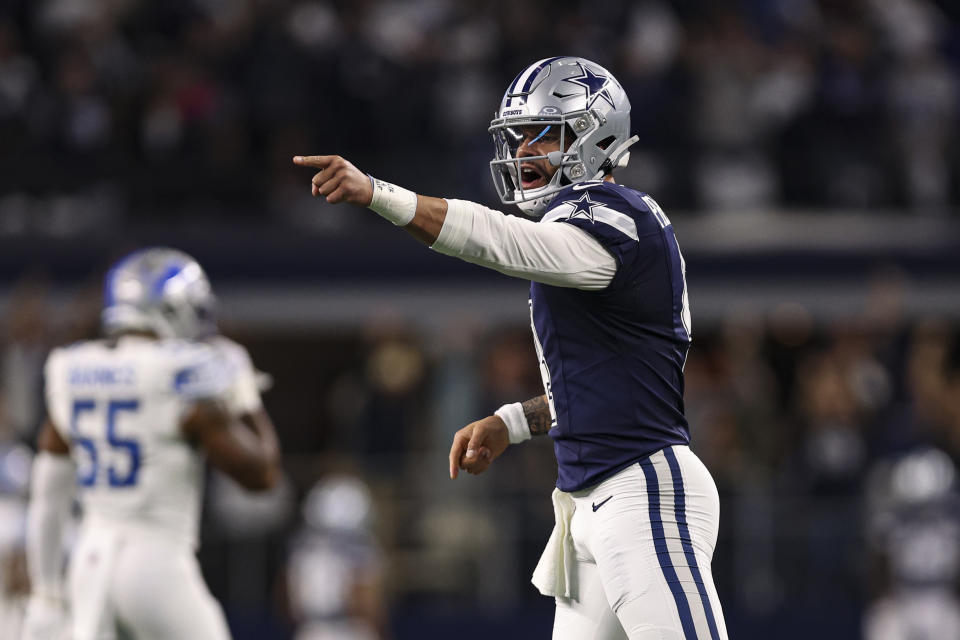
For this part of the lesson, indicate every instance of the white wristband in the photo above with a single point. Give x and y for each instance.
(517, 427)
(396, 204)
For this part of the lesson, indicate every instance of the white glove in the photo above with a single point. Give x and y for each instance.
(46, 619)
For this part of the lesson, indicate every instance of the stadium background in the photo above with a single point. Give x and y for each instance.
(805, 150)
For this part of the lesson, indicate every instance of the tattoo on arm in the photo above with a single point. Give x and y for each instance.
(537, 412)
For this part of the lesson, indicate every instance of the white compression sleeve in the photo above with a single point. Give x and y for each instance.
(51, 493)
(555, 254)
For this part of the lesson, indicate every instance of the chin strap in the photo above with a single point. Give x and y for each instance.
(620, 155)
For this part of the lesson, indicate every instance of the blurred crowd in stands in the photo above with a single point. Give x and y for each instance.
(191, 109)
(834, 441)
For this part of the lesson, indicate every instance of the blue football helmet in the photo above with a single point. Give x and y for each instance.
(161, 290)
(591, 113)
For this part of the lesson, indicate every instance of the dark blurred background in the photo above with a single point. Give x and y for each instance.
(806, 151)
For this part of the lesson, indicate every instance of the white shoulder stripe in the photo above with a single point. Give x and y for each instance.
(560, 212)
(619, 221)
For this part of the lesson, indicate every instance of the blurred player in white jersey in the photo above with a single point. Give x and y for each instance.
(335, 572)
(914, 522)
(130, 420)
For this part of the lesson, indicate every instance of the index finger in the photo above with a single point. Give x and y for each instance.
(456, 453)
(317, 162)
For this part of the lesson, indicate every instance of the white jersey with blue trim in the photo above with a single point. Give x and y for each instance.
(612, 359)
(120, 405)
(243, 394)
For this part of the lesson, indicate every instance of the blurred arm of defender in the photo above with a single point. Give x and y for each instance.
(555, 254)
(52, 483)
(244, 448)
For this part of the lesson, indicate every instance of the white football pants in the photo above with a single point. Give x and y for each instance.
(644, 539)
(138, 585)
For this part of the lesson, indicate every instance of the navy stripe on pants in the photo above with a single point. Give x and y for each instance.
(679, 504)
(663, 553)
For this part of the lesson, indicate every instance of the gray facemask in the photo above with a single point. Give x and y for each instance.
(575, 100)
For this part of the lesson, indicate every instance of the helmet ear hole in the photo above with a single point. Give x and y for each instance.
(606, 142)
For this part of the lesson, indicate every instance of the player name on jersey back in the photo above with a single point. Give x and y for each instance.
(96, 376)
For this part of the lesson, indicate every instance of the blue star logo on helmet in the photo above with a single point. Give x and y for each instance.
(596, 86)
(583, 205)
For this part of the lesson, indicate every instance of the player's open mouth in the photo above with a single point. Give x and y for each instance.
(531, 177)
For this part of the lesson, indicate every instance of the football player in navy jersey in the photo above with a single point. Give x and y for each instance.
(637, 513)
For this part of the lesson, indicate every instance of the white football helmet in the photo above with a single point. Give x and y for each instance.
(160, 290)
(339, 503)
(589, 108)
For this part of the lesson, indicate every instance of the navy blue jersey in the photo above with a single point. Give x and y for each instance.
(612, 360)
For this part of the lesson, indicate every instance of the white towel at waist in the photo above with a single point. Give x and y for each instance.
(554, 573)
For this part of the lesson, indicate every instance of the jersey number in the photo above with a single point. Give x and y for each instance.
(130, 448)
(544, 370)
